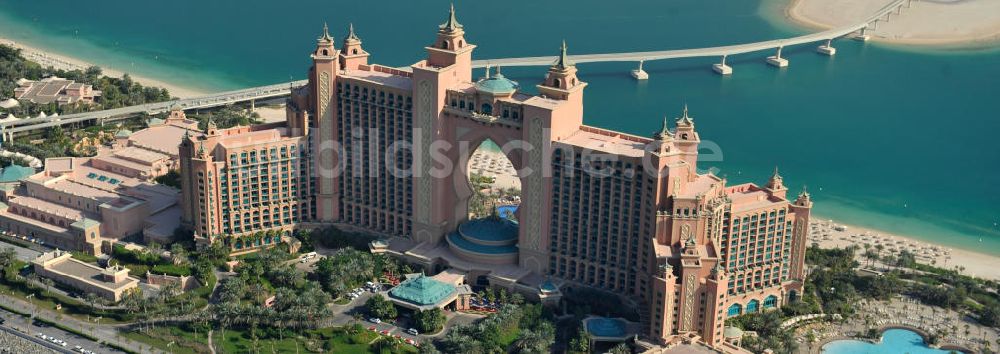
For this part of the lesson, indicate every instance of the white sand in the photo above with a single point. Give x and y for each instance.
(47, 59)
(272, 114)
(926, 22)
(495, 164)
(976, 264)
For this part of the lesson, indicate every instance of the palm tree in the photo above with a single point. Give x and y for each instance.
(91, 299)
(621, 348)
(48, 283)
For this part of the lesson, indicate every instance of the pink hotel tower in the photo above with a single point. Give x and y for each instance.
(639, 221)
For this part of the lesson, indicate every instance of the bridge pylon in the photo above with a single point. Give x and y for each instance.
(862, 35)
(640, 74)
(722, 68)
(827, 49)
(776, 60)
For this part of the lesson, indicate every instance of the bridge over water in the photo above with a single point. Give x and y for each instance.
(722, 51)
(8, 129)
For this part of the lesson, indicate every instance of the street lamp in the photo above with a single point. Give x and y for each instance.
(29, 297)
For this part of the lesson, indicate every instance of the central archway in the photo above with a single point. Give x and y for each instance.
(488, 161)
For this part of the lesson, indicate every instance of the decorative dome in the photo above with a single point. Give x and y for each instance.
(497, 84)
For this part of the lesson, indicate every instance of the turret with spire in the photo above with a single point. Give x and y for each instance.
(325, 41)
(352, 55)
(664, 133)
(561, 81)
(776, 184)
(804, 199)
(210, 127)
(449, 47)
(686, 139)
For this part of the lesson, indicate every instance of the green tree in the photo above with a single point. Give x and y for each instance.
(381, 308)
(430, 321)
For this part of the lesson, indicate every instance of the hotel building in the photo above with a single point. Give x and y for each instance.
(628, 214)
(242, 181)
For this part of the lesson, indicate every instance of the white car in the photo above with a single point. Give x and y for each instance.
(412, 331)
(375, 320)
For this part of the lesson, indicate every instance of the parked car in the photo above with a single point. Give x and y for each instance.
(374, 320)
(412, 331)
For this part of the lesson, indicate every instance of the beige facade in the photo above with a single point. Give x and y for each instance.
(74, 205)
(109, 283)
(246, 186)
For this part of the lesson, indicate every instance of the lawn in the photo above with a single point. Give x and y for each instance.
(184, 342)
(326, 340)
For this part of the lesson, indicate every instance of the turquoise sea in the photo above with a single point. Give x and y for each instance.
(902, 140)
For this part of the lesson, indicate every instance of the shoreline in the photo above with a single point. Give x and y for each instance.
(794, 13)
(63, 62)
(824, 231)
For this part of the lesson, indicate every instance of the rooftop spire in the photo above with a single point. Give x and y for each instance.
(563, 61)
(351, 34)
(685, 119)
(326, 33)
(452, 23)
(664, 131)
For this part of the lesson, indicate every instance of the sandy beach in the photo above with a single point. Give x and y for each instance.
(926, 22)
(47, 59)
(831, 234)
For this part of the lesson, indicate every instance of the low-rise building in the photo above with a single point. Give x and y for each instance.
(148, 153)
(110, 283)
(55, 89)
(74, 205)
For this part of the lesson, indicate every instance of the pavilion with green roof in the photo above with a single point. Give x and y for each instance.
(420, 292)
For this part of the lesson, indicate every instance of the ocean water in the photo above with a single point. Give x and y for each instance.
(893, 341)
(896, 139)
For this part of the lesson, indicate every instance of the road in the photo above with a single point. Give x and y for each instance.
(23, 327)
(105, 333)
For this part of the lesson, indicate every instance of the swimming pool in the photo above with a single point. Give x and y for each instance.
(894, 341)
(505, 210)
(606, 327)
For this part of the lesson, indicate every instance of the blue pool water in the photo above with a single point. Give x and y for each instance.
(506, 210)
(894, 341)
(606, 327)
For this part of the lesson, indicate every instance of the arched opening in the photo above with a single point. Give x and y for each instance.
(793, 296)
(770, 302)
(354, 51)
(496, 188)
(487, 108)
(444, 44)
(734, 310)
(461, 43)
(325, 52)
(752, 306)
